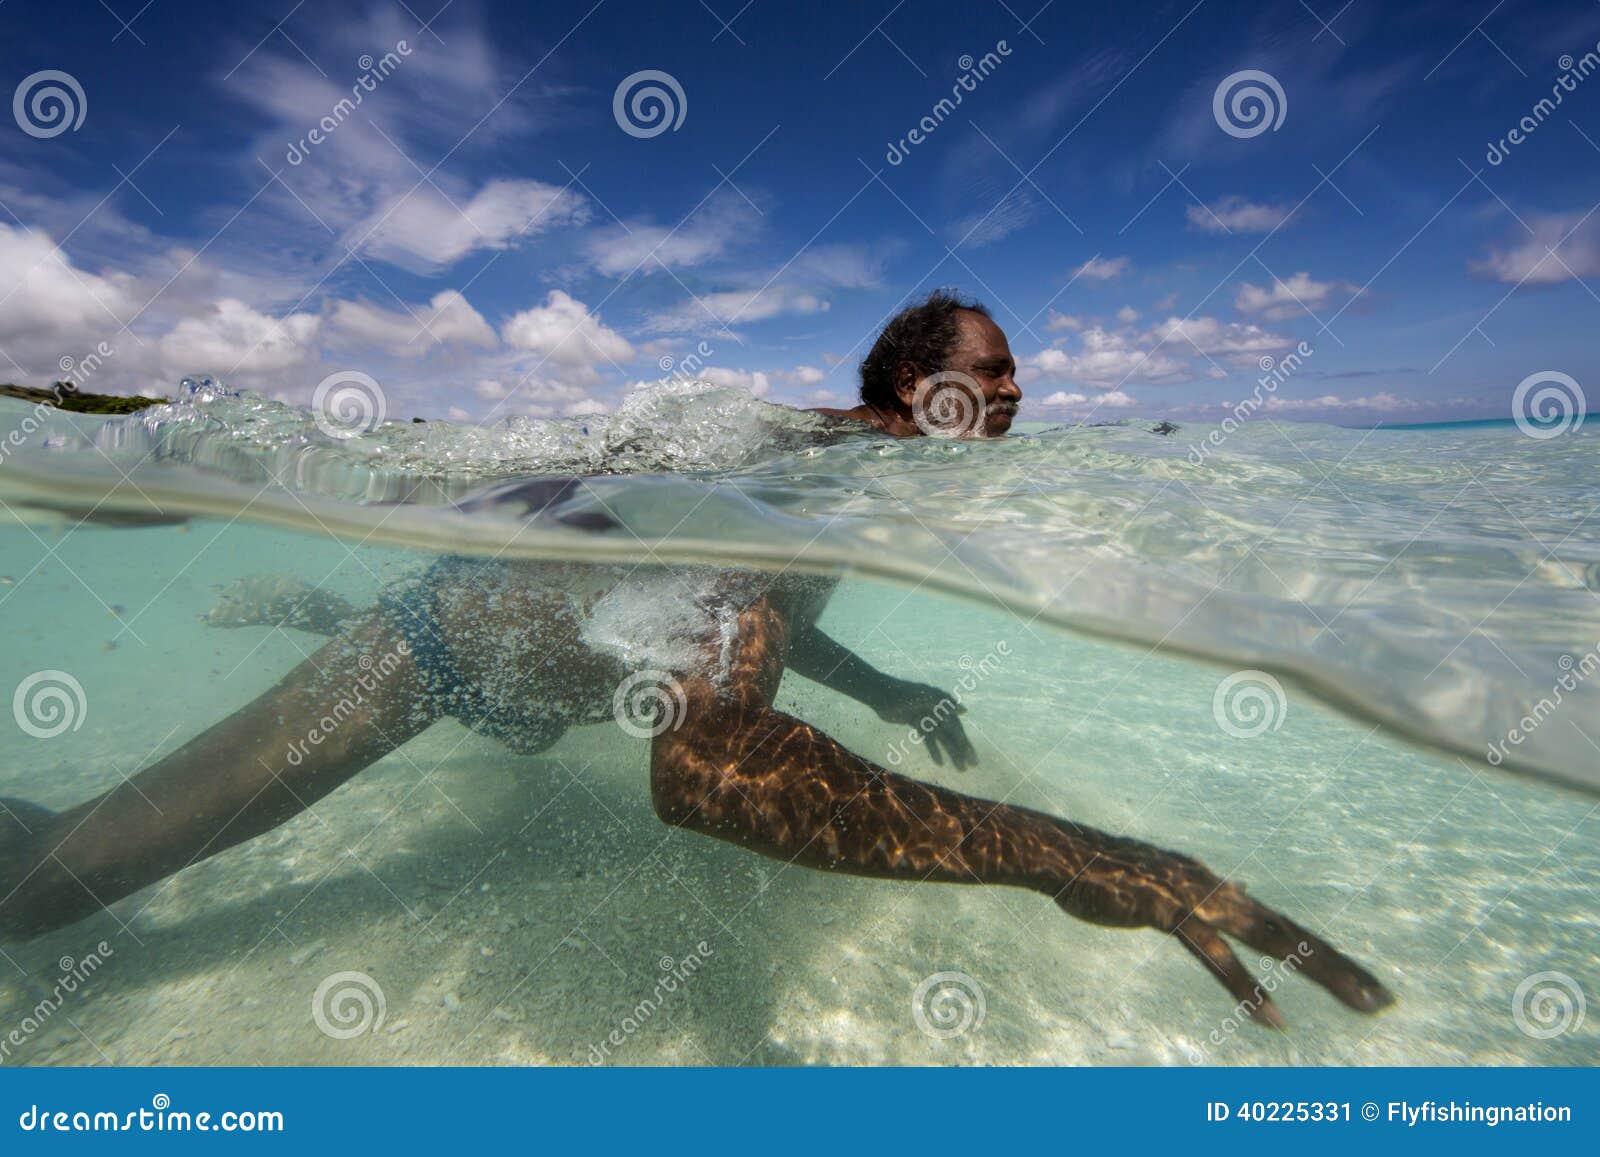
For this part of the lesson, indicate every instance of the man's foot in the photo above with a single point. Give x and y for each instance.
(279, 600)
(1126, 883)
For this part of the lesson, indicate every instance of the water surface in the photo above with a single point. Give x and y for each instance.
(1300, 653)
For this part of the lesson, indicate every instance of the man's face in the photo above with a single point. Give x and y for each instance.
(982, 355)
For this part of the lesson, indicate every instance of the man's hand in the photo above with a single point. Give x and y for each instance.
(934, 714)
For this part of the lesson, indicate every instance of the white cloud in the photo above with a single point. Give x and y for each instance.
(842, 266)
(1164, 354)
(1384, 402)
(821, 398)
(734, 306)
(620, 249)
(536, 397)
(1058, 321)
(1127, 315)
(448, 319)
(1103, 268)
(430, 107)
(1114, 399)
(421, 230)
(1107, 359)
(804, 376)
(236, 339)
(53, 309)
(660, 347)
(1238, 215)
(1291, 298)
(567, 337)
(586, 407)
(755, 382)
(1015, 210)
(1235, 341)
(1563, 247)
(47, 295)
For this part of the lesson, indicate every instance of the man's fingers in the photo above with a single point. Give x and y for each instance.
(969, 754)
(931, 742)
(1303, 952)
(961, 753)
(1213, 951)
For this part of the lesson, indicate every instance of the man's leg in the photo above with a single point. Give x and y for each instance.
(738, 770)
(351, 703)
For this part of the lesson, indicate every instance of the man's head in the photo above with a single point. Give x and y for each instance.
(944, 365)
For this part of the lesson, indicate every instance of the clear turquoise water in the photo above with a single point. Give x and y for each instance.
(1413, 593)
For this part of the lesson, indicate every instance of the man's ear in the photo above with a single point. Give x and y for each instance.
(905, 383)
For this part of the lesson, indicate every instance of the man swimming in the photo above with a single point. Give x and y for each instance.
(516, 650)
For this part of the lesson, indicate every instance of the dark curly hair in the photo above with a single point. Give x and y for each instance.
(922, 334)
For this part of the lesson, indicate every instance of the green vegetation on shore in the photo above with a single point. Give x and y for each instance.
(66, 396)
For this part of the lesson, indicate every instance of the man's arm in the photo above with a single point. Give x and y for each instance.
(737, 769)
(823, 660)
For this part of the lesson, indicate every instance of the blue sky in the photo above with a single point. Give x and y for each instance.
(485, 237)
